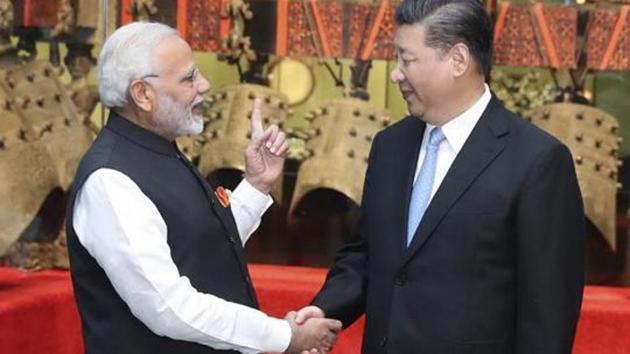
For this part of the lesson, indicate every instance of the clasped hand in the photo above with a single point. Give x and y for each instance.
(312, 333)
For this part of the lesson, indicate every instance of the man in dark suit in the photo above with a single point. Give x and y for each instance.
(471, 235)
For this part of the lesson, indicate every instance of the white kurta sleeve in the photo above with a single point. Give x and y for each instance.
(123, 230)
(248, 207)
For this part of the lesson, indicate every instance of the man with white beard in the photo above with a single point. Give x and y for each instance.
(156, 257)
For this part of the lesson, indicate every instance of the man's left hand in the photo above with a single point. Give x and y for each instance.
(266, 152)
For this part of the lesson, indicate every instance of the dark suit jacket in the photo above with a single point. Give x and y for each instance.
(496, 265)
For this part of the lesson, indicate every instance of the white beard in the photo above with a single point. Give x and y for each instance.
(176, 118)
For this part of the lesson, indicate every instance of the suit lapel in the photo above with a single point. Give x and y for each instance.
(481, 148)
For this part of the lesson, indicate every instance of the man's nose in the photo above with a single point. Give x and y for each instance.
(203, 85)
(396, 75)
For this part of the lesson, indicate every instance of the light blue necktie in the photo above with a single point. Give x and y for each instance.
(424, 183)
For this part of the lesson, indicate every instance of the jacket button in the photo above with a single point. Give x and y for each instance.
(383, 341)
(400, 279)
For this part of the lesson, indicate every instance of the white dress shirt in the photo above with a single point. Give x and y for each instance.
(456, 132)
(124, 231)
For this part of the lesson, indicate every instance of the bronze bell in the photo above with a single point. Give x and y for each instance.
(228, 128)
(336, 140)
(38, 146)
(595, 162)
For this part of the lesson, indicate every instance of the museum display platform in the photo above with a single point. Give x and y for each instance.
(38, 313)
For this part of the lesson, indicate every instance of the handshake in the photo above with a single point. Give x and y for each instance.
(311, 333)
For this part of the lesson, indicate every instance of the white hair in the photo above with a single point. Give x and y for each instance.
(127, 55)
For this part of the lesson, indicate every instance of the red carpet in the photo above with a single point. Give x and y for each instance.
(38, 314)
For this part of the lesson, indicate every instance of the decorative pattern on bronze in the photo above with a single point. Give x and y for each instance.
(7, 49)
(7, 16)
(143, 10)
(591, 135)
(65, 19)
(519, 41)
(602, 25)
(236, 45)
(339, 137)
(84, 94)
(521, 91)
(203, 27)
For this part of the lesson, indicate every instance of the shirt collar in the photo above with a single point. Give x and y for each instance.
(459, 128)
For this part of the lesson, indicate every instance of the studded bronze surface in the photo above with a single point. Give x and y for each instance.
(50, 114)
(227, 130)
(591, 135)
(339, 137)
(41, 142)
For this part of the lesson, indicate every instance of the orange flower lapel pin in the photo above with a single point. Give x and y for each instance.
(223, 195)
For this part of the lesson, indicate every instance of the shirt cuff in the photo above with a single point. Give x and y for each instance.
(279, 336)
(256, 200)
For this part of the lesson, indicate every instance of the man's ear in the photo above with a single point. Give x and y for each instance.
(460, 59)
(142, 95)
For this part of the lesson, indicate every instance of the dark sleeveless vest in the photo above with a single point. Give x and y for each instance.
(202, 235)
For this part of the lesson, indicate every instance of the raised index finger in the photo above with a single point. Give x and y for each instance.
(257, 128)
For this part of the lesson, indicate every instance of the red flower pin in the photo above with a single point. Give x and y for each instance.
(223, 196)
